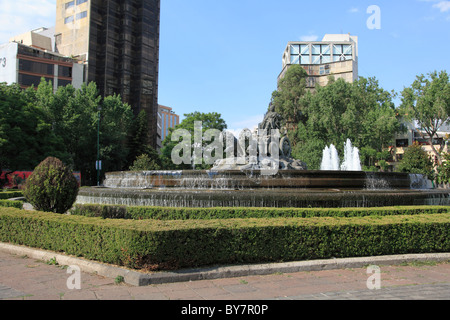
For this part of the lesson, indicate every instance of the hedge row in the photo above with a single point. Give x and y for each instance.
(11, 204)
(10, 194)
(165, 245)
(163, 213)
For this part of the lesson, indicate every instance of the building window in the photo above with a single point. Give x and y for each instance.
(321, 53)
(28, 80)
(64, 71)
(402, 143)
(81, 2)
(342, 52)
(81, 15)
(36, 67)
(70, 4)
(300, 54)
(68, 20)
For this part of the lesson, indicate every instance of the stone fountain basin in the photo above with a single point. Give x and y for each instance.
(270, 198)
(288, 189)
(254, 179)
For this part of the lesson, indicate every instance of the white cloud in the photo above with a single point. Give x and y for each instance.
(443, 6)
(20, 16)
(309, 38)
(353, 10)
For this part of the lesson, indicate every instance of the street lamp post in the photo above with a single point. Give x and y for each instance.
(98, 149)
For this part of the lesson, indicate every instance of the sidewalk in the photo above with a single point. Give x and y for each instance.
(25, 278)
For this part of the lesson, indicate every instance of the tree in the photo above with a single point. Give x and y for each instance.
(360, 111)
(37, 123)
(443, 171)
(138, 139)
(76, 119)
(370, 157)
(288, 99)
(209, 121)
(427, 101)
(416, 160)
(116, 118)
(26, 136)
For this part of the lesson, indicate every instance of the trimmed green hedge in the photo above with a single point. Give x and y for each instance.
(162, 213)
(10, 194)
(165, 245)
(11, 204)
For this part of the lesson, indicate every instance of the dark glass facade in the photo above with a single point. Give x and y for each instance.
(124, 53)
(36, 67)
(35, 64)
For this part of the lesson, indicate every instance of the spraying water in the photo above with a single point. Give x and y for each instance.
(330, 160)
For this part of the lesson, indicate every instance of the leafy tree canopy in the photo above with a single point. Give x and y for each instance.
(427, 101)
(209, 121)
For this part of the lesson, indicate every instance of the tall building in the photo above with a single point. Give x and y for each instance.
(336, 55)
(167, 118)
(119, 42)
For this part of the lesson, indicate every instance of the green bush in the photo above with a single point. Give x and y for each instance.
(51, 187)
(165, 245)
(10, 194)
(144, 163)
(11, 204)
(162, 213)
(100, 211)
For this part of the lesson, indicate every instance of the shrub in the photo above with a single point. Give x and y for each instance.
(11, 204)
(416, 160)
(100, 211)
(162, 213)
(52, 187)
(164, 245)
(144, 163)
(5, 195)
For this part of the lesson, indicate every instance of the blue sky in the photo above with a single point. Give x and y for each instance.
(225, 56)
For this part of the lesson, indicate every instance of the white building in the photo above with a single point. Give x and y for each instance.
(28, 58)
(336, 55)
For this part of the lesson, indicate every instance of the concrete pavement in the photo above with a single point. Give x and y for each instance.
(28, 274)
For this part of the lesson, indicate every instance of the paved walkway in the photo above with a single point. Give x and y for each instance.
(23, 278)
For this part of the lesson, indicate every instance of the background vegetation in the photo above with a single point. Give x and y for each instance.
(37, 123)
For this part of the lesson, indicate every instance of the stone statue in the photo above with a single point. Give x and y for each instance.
(272, 121)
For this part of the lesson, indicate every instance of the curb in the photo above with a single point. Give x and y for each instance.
(136, 278)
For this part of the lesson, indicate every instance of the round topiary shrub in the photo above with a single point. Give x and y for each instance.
(51, 187)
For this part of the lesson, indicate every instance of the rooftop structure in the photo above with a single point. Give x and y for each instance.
(336, 55)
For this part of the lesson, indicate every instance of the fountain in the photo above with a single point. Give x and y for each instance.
(330, 161)
(229, 184)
